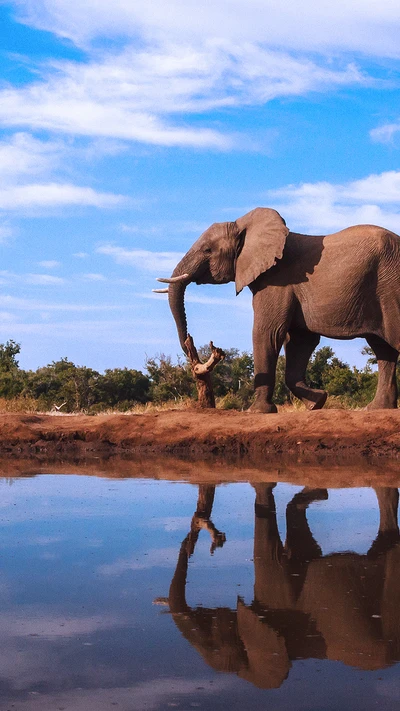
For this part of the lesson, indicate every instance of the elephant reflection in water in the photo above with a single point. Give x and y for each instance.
(342, 606)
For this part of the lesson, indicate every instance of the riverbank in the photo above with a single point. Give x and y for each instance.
(329, 434)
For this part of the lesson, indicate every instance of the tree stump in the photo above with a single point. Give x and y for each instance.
(202, 372)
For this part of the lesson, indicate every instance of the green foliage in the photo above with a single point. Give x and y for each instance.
(62, 382)
(169, 381)
(8, 353)
(78, 388)
(232, 379)
(11, 378)
(121, 388)
(282, 393)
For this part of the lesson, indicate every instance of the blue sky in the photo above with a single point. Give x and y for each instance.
(127, 128)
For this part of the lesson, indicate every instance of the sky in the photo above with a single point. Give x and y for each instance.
(127, 128)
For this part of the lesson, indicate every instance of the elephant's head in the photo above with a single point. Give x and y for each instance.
(228, 251)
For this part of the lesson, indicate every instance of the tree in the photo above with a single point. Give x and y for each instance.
(8, 353)
(169, 381)
(121, 388)
(11, 377)
(63, 381)
(233, 377)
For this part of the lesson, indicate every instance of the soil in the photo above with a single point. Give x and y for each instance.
(204, 433)
(344, 448)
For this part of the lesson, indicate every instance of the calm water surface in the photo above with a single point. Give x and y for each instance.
(145, 595)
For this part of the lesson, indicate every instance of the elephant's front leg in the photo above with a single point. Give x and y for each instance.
(266, 347)
(273, 310)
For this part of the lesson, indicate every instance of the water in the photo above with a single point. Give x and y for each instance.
(115, 596)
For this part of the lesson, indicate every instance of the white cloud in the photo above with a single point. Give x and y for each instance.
(241, 302)
(326, 207)
(155, 558)
(49, 264)
(121, 97)
(145, 260)
(362, 25)
(170, 523)
(146, 696)
(5, 233)
(54, 195)
(44, 279)
(385, 133)
(133, 95)
(128, 332)
(30, 621)
(175, 226)
(22, 155)
(16, 303)
(94, 277)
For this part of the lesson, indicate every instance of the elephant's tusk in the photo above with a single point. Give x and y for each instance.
(160, 291)
(172, 280)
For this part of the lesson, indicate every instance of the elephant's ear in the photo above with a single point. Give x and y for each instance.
(265, 235)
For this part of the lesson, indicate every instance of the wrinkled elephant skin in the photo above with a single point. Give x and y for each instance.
(344, 285)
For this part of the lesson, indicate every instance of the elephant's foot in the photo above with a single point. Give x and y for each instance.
(263, 406)
(382, 403)
(318, 400)
(307, 496)
(313, 399)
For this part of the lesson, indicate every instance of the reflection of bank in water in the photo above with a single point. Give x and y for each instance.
(342, 607)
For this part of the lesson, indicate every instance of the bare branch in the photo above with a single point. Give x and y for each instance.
(202, 371)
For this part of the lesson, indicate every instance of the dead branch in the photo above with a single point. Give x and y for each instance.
(202, 371)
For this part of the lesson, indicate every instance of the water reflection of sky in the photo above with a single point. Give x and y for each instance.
(82, 562)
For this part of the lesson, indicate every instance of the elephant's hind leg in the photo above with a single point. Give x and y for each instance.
(386, 392)
(299, 347)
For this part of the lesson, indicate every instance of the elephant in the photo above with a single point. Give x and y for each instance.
(344, 285)
(341, 606)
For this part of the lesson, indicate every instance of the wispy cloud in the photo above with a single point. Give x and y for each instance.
(6, 231)
(142, 259)
(16, 303)
(146, 696)
(142, 95)
(132, 331)
(49, 264)
(361, 26)
(385, 133)
(94, 277)
(325, 206)
(170, 226)
(54, 194)
(22, 155)
(44, 279)
(30, 621)
(22, 158)
(242, 302)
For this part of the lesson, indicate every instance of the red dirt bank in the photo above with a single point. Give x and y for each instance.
(201, 433)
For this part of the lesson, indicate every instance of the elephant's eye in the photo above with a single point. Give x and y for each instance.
(207, 250)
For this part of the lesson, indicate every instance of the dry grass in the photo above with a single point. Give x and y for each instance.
(30, 405)
(19, 404)
(149, 407)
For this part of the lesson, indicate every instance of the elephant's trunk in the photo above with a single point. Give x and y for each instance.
(176, 296)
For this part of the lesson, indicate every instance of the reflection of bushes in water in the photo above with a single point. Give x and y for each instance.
(168, 383)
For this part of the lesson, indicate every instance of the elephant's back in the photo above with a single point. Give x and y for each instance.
(372, 236)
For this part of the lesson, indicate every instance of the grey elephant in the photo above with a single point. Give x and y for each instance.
(344, 285)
